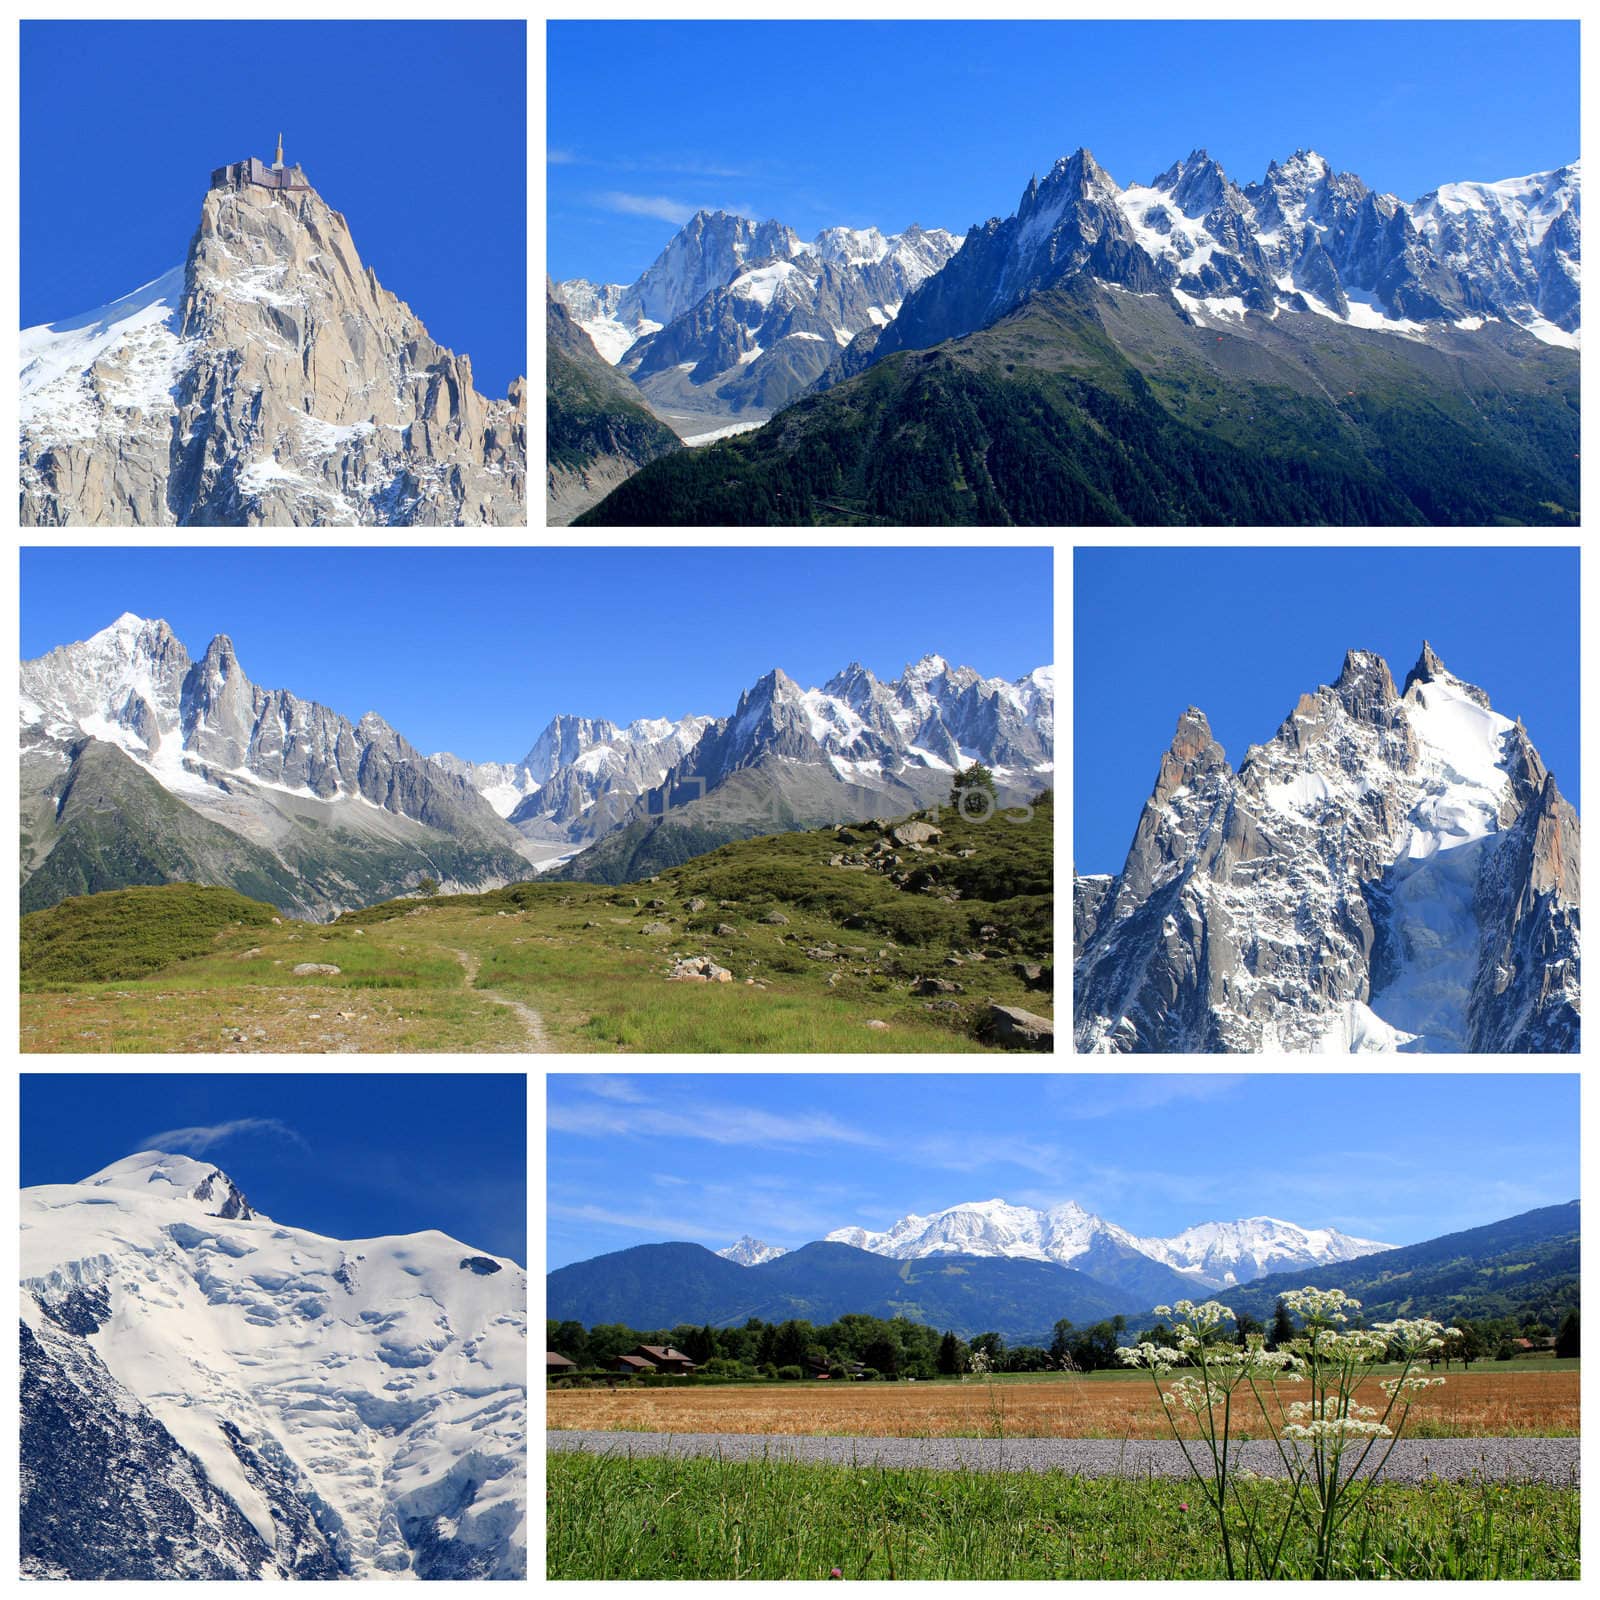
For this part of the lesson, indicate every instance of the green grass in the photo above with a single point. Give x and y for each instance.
(610, 1518)
(128, 933)
(172, 968)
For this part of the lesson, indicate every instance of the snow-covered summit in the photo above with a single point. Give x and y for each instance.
(1214, 1254)
(363, 1401)
(1393, 870)
(748, 1252)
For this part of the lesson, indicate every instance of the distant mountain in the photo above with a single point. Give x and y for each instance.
(598, 429)
(792, 758)
(142, 765)
(739, 316)
(1209, 1255)
(750, 1252)
(1298, 351)
(659, 1285)
(1524, 1265)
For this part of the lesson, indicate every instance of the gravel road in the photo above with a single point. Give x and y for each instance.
(1552, 1461)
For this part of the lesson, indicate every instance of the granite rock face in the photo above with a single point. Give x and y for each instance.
(1392, 871)
(271, 381)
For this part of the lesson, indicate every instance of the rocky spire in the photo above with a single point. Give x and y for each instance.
(1428, 667)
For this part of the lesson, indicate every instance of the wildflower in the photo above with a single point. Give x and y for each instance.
(836, 1572)
(1183, 1505)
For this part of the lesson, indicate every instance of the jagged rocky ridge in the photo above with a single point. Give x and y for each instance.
(1394, 870)
(786, 758)
(271, 380)
(207, 1393)
(1305, 239)
(143, 765)
(736, 317)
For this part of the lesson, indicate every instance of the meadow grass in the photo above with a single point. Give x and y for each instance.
(114, 972)
(650, 1518)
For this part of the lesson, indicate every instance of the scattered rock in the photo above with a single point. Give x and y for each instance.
(817, 953)
(482, 1265)
(698, 969)
(1018, 1029)
(725, 930)
(694, 905)
(876, 1022)
(657, 927)
(909, 833)
(776, 919)
(277, 922)
(854, 920)
(315, 969)
(953, 960)
(1036, 977)
(936, 986)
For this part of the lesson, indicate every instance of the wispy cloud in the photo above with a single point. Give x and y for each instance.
(645, 205)
(976, 1152)
(561, 158)
(731, 1125)
(198, 1141)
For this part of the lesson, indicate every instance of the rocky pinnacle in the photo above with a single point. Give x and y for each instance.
(284, 386)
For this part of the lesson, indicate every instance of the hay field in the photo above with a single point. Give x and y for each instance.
(1486, 1402)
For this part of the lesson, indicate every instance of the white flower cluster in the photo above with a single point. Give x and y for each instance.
(1321, 1305)
(1394, 1386)
(1194, 1394)
(1417, 1336)
(1159, 1357)
(1328, 1410)
(1337, 1428)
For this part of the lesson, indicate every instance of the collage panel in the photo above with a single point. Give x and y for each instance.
(1128, 1365)
(274, 1326)
(929, 292)
(1340, 854)
(304, 316)
(768, 816)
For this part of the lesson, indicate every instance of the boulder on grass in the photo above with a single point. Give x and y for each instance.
(698, 969)
(315, 969)
(1017, 1029)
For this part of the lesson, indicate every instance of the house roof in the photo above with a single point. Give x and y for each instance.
(658, 1352)
(553, 1358)
(636, 1361)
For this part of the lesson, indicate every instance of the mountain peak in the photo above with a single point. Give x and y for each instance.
(176, 1177)
(1428, 667)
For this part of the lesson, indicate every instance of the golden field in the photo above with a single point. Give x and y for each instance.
(1486, 1402)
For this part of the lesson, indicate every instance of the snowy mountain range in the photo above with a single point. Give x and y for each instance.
(736, 317)
(1392, 871)
(142, 764)
(269, 380)
(1306, 239)
(1212, 1254)
(208, 1393)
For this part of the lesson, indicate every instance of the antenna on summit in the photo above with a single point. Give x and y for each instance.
(277, 165)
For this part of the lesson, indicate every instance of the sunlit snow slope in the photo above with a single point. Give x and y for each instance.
(378, 1384)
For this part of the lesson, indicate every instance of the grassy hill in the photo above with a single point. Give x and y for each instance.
(1524, 1266)
(1090, 407)
(820, 954)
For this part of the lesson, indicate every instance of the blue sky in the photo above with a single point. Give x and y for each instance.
(123, 123)
(942, 123)
(1398, 1157)
(1243, 633)
(350, 1155)
(475, 650)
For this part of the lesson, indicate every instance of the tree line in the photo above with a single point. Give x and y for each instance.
(857, 1345)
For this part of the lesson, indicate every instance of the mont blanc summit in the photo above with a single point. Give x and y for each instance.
(210, 1393)
(268, 381)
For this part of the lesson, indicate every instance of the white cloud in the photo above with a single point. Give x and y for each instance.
(646, 205)
(197, 1141)
(731, 1125)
